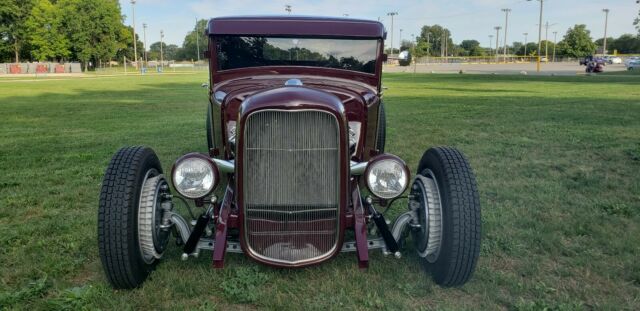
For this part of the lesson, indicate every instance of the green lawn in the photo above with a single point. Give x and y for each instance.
(557, 161)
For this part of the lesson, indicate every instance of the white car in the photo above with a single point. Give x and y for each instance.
(614, 60)
(633, 65)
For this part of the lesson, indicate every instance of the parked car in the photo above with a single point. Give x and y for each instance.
(296, 135)
(630, 60)
(614, 60)
(634, 65)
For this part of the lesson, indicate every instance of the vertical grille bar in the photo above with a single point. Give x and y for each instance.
(291, 184)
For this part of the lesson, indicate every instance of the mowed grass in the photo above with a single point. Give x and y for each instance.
(557, 161)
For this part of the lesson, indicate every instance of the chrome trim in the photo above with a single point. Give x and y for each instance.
(350, 246)
(210, 244)
(290, 200)
(225, 166)
(181, 226)
(293, 82)
(358, 168)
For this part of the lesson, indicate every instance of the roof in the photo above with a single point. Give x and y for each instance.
(295, 26)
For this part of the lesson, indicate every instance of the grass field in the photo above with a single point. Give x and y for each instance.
(557, 161)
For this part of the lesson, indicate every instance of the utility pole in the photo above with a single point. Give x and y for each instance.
(546, 40)
(161, 52)
(490, 44)
(197, 40)
(606, 22)
(400, 39)
(539, 34)
(446, 46)
(392, 14)
(144, 31)
(497, 28)
(133, 21)
(506, 26)
(287, 7)
(525, 43)
(555, 40)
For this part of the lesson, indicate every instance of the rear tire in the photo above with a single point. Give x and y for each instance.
(118, 240)
(460, 216)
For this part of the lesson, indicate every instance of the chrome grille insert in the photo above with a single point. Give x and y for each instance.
(291, 185)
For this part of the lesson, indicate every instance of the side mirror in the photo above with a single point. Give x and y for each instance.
(385, 57)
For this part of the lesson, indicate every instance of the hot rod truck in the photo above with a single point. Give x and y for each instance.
(295, 172)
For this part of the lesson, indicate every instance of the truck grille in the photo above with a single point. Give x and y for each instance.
(291, 185)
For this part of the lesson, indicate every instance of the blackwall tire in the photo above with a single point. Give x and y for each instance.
(382, 129)
(118, 240)
(460, 219)
(208, 128)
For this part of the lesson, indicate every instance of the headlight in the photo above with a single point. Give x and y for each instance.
(387, 176)
(194, 176)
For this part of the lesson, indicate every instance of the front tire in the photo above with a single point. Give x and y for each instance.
(118, 213)
(458, 225)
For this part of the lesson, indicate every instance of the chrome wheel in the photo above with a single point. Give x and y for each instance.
(427, 207)
(151, 238)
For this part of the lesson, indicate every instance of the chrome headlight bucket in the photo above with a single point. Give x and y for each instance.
(387, 176)
(194, 176)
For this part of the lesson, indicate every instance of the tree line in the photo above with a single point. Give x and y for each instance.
(88, 31)
(435, 40)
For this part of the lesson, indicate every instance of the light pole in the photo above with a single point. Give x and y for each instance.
(133, 21)
(197, 41)
(161, 52)
(400, 40)
(555, 40)
(490, 44)
(606, 22)
(525, 43)
(546, 40)
(539, 33)
(506, 26)
(497, 28)
(144, 31)
(392, 14)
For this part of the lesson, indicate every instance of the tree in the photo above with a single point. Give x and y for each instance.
(193, 39)
(435, 37)
(637, 23)
(48, 42)
(626, 44)
(471, 48)
(13, 25)
(406, 45)
(610, 43)
(124, 47)
(169, 51)
(577, 42)
(93, 27)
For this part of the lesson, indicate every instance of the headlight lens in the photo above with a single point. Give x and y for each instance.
(195, 176)
(387, 177)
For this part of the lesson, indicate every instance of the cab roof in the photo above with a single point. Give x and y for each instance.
(295, 26)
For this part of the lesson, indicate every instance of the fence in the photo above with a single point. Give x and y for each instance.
(39, 68)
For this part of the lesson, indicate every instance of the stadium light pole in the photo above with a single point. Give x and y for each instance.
(497, 28)
(161, 52)
(133, 21)
(506, 26)
(606, 23)
(490, 45)
(144, 31)
(539, 33)
(197, 40)
(525, 43)
(392, 14)
(555, 40)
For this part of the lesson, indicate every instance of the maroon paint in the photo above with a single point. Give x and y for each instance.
(360, 229)
(294, 98)
(220, 247)
(296, 26)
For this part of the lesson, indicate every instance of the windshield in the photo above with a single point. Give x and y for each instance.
(350, 54)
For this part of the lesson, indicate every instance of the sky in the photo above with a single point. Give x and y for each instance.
(467, 19)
